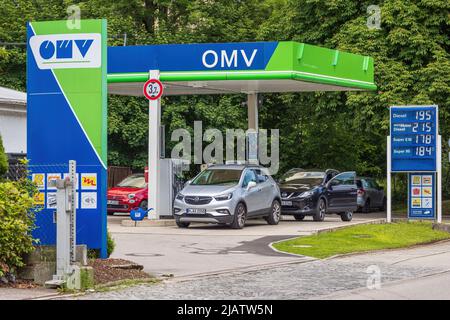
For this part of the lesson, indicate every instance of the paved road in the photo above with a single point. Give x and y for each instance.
(208, 248)
(202, 249)
(432, 287)
(20, 294)
(421, 272)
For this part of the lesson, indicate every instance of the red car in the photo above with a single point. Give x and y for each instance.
(130, 193)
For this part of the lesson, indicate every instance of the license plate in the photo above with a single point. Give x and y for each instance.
(113, 202)
(195, 211)
(286, 203)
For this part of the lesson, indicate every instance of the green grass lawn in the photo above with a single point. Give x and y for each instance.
(363, 238)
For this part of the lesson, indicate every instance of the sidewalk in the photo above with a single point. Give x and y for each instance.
(25, 294)
(433, 287)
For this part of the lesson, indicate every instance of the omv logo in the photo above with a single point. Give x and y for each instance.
(63, 51)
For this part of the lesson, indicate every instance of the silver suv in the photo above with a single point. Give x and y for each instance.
(228, 194)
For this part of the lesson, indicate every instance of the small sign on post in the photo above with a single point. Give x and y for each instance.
(153, 89)
(421, 195)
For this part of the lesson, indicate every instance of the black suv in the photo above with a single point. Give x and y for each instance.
(317, 192)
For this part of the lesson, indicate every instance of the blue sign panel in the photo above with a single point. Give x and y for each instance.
(191, 57)
(66, 120)
(413, 138)
(421, 195)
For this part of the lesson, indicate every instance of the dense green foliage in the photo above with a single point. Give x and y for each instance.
(343, 130)
(110, 244)
(17, 214)
(3, 159)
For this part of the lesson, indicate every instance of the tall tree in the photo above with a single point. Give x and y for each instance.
(3, 159)
(319, 129)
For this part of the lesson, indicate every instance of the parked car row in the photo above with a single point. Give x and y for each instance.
(230, 194)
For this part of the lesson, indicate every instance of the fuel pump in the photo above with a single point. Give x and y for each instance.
(65, 229)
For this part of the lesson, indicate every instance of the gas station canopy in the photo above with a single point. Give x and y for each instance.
(219, 68)
(71, 71)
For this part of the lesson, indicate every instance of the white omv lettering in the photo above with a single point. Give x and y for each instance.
(228, 59)
(214, 54)
(64, 51)
(247, 61)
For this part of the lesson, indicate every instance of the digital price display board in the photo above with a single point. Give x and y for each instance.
(414, 131)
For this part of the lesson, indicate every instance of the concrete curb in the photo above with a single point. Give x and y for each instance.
(414, 246)
(441, 227)
(290, 253)
(374, 221)
(148, 223)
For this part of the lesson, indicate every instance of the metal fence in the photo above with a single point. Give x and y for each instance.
(45, 199)
(16, 171)
(117, 174)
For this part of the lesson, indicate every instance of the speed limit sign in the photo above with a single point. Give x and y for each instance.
(153, 89)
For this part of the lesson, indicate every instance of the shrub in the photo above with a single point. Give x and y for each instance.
(17, 215)
(3, 159)
(110, 244)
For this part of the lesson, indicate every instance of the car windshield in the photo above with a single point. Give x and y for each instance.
(134, 181)
(302, 177)
(219, 177)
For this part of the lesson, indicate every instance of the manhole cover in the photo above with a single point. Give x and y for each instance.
(207, 252)
(362, 236)
(144, 254)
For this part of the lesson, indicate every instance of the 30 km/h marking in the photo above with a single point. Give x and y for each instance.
(153, 89)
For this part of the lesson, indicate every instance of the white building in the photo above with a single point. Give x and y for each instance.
(13, 121)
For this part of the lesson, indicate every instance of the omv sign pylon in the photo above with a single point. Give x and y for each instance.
(62, 51)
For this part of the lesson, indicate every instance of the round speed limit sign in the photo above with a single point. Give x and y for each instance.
(153, 89)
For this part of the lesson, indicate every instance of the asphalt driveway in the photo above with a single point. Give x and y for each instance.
(209, 249)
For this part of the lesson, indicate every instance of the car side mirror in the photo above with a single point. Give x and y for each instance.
(251, 184)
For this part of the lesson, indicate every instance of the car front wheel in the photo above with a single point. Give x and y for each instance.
(320, 211)
(347, 216)
(366, 208)
(274, 216)
(240, 215)
(384, 205)
(183, 224)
